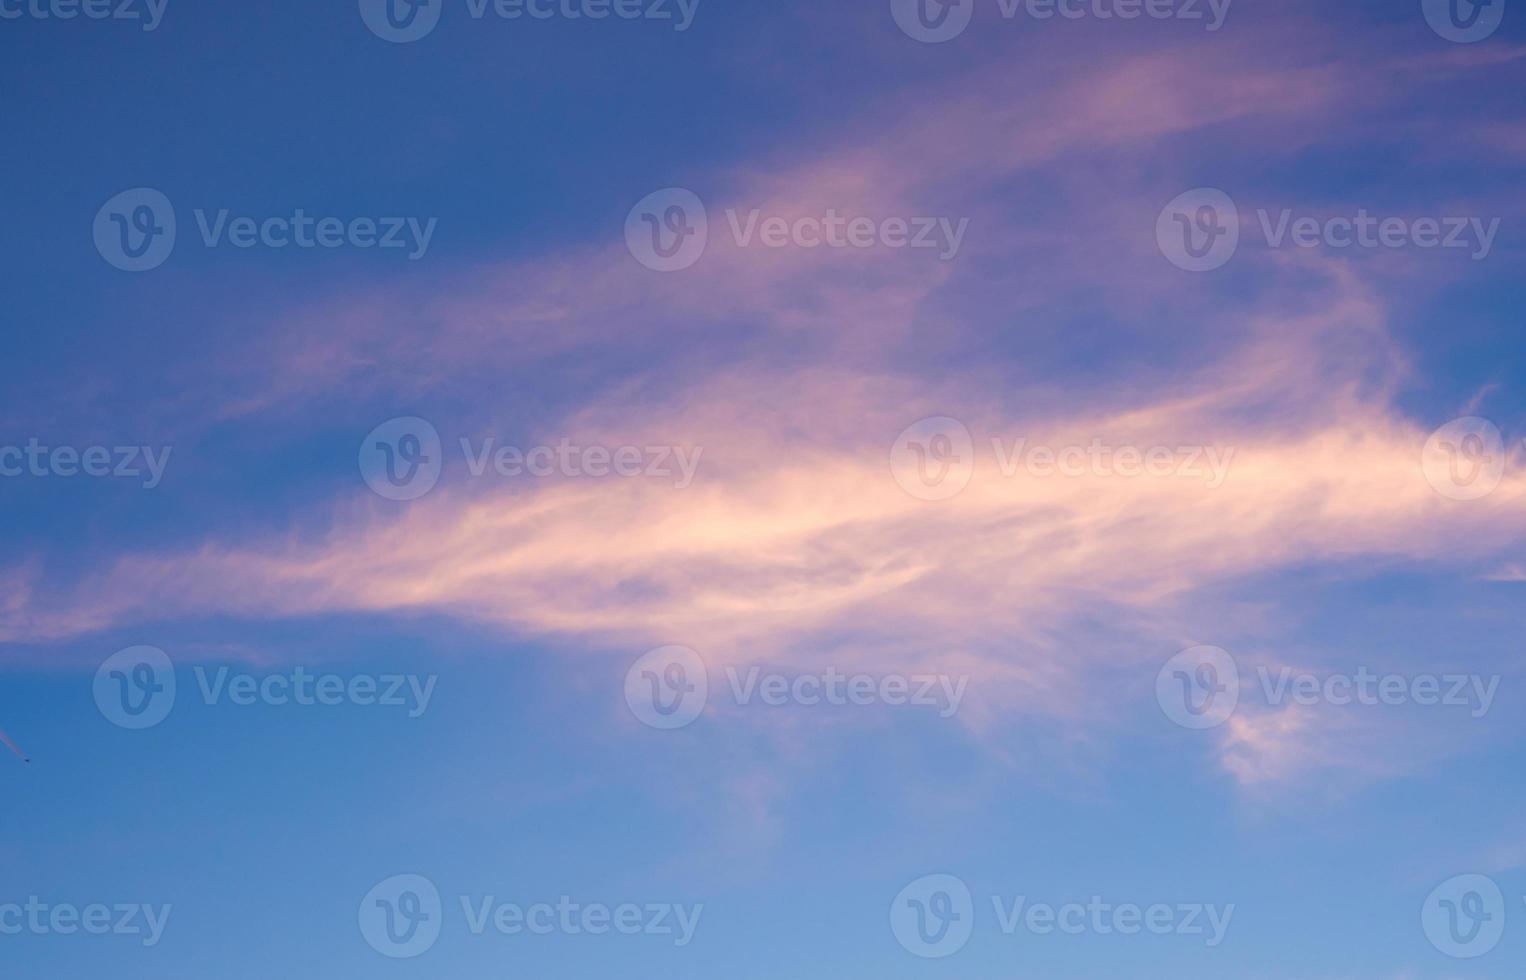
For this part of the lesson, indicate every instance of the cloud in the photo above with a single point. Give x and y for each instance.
(954, 153)
(794, 370)
(796, 544)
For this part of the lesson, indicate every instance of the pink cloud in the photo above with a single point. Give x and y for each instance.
(796, 545)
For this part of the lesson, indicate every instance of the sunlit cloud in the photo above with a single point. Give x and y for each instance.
(795, 544)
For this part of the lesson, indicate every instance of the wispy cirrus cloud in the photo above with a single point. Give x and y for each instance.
(796, 544)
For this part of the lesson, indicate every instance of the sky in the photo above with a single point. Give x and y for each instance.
(642, 488)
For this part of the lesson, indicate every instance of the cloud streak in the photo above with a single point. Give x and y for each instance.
(795, 545)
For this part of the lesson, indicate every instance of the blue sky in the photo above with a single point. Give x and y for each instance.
(815, 385)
